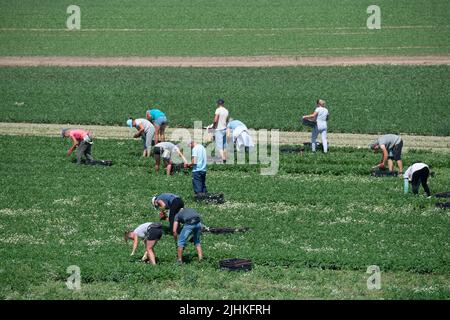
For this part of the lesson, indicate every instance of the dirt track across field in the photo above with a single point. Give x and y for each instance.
(245, 61)
(116, 132)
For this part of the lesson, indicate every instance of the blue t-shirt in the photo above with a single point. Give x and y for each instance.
(187, 214)
(167, 198)
(234, 124)
(156, 113)
(199, 152)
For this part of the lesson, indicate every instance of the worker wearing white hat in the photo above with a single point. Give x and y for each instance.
(170, 201)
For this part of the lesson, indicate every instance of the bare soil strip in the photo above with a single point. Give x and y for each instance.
(244, 61)
(434, 143)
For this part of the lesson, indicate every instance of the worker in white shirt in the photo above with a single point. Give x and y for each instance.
(150, 233)
(220, 126)
(417, 174)
(237, 132)
(167, 150)
(320, 115)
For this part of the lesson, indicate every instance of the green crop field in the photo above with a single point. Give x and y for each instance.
(364, 99)
(314, 228)
(232, 27)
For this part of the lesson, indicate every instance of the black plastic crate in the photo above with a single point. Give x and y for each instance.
(443, 205)
(236, 264)
(308, 123)
(442, 195)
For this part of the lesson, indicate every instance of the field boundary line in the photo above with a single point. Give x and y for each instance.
(225, 61)
(435, 143)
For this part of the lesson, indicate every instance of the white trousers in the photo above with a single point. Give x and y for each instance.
(322, 129)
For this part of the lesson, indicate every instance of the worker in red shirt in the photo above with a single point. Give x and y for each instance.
(82, 140)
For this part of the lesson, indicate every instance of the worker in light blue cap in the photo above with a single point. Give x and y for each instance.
(145, 130)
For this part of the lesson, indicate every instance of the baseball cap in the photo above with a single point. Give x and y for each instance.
(220, 101)
(130, 123)
(153, 202)
(63, 132)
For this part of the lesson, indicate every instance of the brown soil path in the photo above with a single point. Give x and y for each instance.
(434, 143)
(245, 61)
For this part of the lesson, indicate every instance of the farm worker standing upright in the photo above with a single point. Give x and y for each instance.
(191, 225)
(169, 201)
(159, 120)
(320, 115)
(150, 232)
(145, 130)
(391, 145)
(417, 174)
(220, 125)
(81, 139)
(199, 168)
(237, 132)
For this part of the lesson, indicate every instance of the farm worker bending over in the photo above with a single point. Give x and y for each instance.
(220, 126)
(191, 225)
(159, 120)
(199, 167)
(237, 132)
(166, 150)
(391, 145)
(150, 232)
(417, 174)
(169, 201)
(145, 130)
(81, 139)
(320, 115)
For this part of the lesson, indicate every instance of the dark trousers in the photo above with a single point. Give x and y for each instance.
(84, 148)
(420, 177)
(199, 182)
(175, 207)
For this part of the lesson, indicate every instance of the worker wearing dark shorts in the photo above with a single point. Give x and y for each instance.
(169, 201)
(391, 146)
(154, 232)
(395, 153)
(150, 233)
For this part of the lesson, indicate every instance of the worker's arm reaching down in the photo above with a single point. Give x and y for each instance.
(73, 147)
(140, 131)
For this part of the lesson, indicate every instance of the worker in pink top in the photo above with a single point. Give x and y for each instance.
(81, 139)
